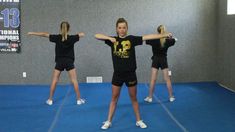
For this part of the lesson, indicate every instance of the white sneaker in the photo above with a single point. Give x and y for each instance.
(49, 102)
(148, 99)
(106, 125)
(80, 101)
(141, 124)
(172, 99)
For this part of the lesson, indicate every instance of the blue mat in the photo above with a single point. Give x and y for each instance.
(198, 107)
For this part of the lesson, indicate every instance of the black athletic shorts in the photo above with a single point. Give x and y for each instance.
(62, 66)
(129, 78)
(159, 62)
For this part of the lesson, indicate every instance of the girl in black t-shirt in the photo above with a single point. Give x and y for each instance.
(64, 58)
(124, 64)
(159, 60)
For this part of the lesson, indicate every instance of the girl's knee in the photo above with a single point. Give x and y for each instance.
(133, 98)
(167, 79)
(73, 80)
(55, 80)
(114, 100)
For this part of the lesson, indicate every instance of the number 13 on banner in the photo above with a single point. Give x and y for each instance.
(11, 17)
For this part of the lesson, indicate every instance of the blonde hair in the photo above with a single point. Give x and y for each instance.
(64, 29)
(161, 29)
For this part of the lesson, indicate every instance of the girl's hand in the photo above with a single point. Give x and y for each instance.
(113, 40)
(81, 34)
(30, 33)
(167, 35)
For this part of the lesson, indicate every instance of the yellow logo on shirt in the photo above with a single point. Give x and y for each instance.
(122, 50)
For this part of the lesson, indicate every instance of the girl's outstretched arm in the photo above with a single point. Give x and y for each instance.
(156, 36)
(105, 37)
(40, 34)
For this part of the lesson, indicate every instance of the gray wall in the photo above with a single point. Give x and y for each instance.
(193, 22)
(226, 47)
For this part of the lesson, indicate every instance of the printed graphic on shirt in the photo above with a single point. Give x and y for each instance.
(122, 50)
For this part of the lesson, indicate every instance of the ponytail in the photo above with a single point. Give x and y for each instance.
(64, 28)
(160, 30)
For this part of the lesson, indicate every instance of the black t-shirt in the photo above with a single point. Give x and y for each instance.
(123, 53)
(157, 49)
(64, 50)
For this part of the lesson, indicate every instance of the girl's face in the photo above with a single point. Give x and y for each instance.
(122, 29)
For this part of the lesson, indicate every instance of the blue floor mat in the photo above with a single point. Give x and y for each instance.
(198, 107)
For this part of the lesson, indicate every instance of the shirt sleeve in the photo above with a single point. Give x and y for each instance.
(137, 40)
(108, 42)
(170, 42)
(53, 38)
(149, 42)
(75, 38)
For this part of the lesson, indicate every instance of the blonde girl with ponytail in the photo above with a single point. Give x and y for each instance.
(64, 58)
(159, 60)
